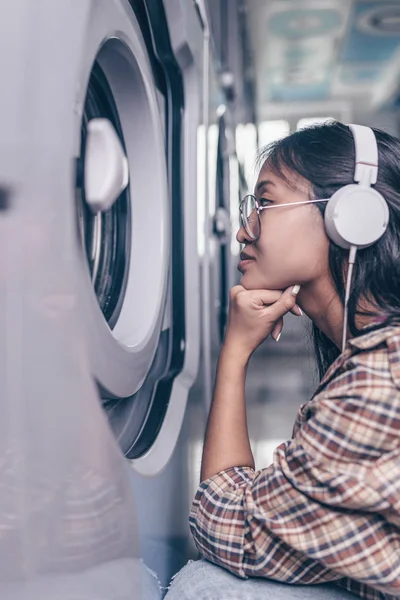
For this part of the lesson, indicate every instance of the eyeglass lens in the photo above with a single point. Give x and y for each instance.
(250, 216)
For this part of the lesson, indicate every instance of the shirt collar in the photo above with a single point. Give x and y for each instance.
(364, 341)
(372, 339)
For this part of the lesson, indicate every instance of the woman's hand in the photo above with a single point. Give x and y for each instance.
(255, 314)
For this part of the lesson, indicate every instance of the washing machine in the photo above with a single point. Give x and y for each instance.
(100, 293)
(164, 497)
(224, 219)
(135, 283)
(223, 208)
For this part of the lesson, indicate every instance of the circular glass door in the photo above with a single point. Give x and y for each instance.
(105, 236)
(124, 244)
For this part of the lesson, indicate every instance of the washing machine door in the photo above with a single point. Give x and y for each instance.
(134, 275)
(180, 51)
(222, 225)
(221, 263)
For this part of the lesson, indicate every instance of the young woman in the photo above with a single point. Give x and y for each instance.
(325, 516)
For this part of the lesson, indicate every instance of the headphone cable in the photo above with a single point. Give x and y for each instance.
(352, 258)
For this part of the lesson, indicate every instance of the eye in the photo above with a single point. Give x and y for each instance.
(264, 202)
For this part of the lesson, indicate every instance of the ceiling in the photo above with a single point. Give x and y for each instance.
(325, 53)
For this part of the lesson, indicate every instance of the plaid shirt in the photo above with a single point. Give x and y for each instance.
(328, 508)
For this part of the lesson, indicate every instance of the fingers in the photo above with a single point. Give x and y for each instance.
(296, 310)
(235, 290)
(261, 298)
(277, 330)
(286, 303)
(265, 297)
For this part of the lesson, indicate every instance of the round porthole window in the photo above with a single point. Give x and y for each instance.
(105, 235)
(130, 120)
(123, 209)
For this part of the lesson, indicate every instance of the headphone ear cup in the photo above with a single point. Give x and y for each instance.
(356, 215)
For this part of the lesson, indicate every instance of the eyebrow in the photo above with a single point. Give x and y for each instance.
(264, 183)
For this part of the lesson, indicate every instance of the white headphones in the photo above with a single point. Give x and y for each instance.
(358, 215)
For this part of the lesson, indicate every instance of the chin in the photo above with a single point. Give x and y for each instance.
(252, 282)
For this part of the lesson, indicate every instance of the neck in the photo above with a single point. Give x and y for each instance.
(321, 303)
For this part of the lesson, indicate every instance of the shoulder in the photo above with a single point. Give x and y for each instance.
(365, 377)
(371, 360)
(378, 352)
(360, 398)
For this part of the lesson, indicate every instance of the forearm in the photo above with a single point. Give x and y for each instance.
(227, 441)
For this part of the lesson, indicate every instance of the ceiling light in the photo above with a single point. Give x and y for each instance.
(381, 21)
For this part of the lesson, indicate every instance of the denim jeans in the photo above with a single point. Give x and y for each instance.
(201, 580)
(123, 579)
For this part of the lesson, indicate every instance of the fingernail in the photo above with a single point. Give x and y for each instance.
(300, 311)
(278, 337)
(295, 290)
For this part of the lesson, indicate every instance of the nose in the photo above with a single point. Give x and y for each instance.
(242, 237)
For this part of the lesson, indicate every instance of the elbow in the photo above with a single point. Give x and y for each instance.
(212, 548)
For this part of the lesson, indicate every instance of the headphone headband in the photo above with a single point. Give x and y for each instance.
(366, 167)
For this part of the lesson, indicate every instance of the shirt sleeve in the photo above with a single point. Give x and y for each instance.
(327, 509)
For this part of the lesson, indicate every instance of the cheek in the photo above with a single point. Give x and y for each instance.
(294, 253)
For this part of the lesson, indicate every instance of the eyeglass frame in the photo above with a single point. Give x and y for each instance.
(260, 208)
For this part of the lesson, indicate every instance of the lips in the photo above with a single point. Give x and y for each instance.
(245, 260)
(244, 256)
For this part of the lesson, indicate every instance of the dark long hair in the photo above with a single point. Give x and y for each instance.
(324, 155)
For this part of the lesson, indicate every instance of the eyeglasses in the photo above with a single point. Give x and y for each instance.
(250, 209)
